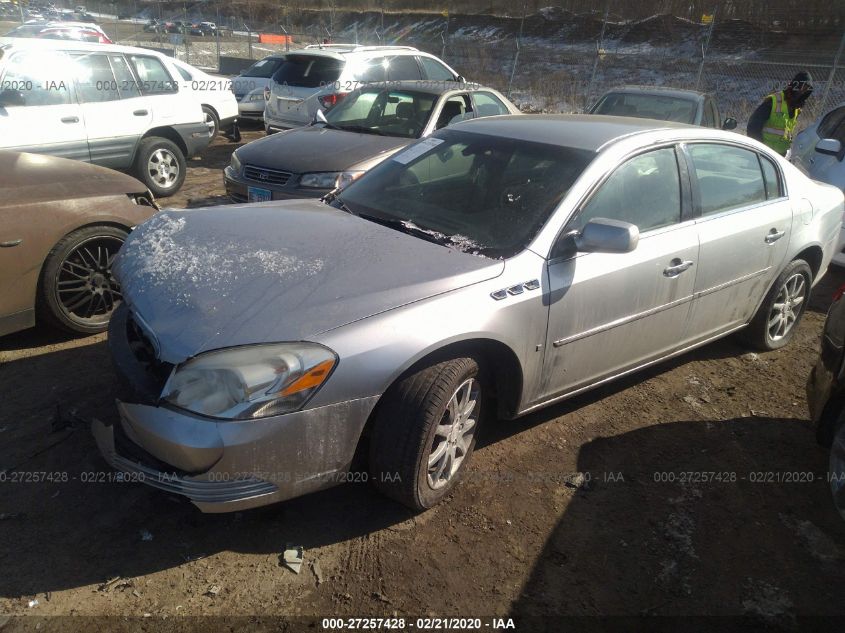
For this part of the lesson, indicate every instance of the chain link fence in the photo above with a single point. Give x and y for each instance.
(547, 55)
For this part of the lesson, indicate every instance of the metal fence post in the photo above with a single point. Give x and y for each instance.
(599, 48)
(516, 54)
(445, 34)
(705, 46)
(832, 76)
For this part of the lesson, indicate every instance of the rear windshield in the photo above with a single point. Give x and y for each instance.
(645, 106)
(263, 69)
(308, 71)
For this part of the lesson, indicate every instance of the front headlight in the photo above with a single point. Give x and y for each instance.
(235, 163)
(250, 382)
(329, 179)
(322, 180)
(258, 96)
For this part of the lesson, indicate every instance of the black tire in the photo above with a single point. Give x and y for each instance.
(836, 468)
(406, 429)
(758, 334)
(160, 186)
(64, 282)
(212, 120)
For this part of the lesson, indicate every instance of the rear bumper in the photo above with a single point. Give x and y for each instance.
(195, 136)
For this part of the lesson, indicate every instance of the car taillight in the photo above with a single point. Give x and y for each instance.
(330, 100)
(840, 291)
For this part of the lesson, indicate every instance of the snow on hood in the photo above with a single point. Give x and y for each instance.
(211, 278)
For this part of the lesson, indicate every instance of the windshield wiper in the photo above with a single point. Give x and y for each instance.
(406, 226)
(362, 129)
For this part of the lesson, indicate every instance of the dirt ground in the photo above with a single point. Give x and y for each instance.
(523, 536)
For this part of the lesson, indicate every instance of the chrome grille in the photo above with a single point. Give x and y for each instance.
(268, 176)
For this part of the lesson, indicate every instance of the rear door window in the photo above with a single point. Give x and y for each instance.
(308, 71)
(373, 71)
(435, 71)
(152, 75)
(95, 80)
(263, 69)
(770, 175)
(455, 109)
(403, 67)
(728, 177)
(488, 104)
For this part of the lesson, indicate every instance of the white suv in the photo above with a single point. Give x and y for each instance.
(116, 106)
(318, 76)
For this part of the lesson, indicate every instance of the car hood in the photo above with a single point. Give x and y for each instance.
(205, 279)
(317, 148)
(28, 178)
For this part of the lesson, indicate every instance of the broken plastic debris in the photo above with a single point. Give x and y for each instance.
(32, 603)
(318, 572)
(146, 535)
(212, 591)
(292, 558)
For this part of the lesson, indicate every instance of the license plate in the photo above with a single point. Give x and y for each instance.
(257, 194)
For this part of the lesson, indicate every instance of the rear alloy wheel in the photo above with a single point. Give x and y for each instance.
(77, 290)
(777, 318)
(212, 121)
(425, 432)
(160, 165)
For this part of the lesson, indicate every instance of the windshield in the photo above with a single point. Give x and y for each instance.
(308, 71)
(402, 113)
(264, 68)
(481, 194)
(645, 106)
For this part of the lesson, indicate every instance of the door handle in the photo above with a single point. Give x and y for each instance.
(141, 112)
(70, 119)
(677, 266)
(10, 243)
(774, 235)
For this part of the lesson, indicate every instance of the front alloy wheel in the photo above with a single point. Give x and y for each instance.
(425, 431)
(454, 435)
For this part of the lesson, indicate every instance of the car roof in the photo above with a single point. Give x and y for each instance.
(21, 43)
(679, 93)
(581, 131)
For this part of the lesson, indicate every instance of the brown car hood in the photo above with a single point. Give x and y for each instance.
(27, 178)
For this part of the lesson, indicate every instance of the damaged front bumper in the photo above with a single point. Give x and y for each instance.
(225, 466)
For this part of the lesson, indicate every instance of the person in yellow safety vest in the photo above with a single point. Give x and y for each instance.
(773, 122)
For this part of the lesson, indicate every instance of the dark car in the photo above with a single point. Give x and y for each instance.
(366, 127)
(826, 396)
(663, 104)
(61, 224)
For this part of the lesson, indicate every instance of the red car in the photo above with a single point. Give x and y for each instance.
(74, 33)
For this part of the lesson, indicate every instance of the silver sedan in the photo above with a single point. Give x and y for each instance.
(496, 267)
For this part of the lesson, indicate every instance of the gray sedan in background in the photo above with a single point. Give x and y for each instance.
(486, 271)
(368, 126)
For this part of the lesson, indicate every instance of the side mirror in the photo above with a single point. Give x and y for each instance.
(603, 235)
(461, 79)
(829, 146)
(729, 123)
(11, 98)
(319, 117)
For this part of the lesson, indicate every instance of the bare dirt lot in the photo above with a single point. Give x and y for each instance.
(646, 530)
